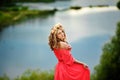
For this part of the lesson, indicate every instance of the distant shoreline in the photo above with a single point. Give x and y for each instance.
(16, 14)
(11, 17)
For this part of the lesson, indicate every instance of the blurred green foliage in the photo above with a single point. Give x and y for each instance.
(109, 66)
(118, 4)
(4, 77)
(75, 7)
(33, 75)
(15, 15)
(10, 13)
(12, 2)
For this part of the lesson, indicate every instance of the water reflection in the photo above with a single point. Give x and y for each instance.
(66, 4)
(88, 22)
(24, 45)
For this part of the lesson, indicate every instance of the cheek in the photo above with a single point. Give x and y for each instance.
(58, 36)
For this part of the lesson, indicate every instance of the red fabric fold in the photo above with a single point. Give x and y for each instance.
(67, 69)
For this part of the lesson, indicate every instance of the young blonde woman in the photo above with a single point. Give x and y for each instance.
(67, 68)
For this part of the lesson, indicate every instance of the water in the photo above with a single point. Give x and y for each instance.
(25, 45)
(66, 4)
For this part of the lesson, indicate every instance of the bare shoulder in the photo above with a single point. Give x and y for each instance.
(64, 45)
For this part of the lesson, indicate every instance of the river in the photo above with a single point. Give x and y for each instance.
(25, 45)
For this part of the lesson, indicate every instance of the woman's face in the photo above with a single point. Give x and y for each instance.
(60, 35)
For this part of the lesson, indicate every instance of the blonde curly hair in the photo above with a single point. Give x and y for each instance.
(53, 40)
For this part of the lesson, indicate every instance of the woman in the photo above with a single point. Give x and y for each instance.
(67, 68)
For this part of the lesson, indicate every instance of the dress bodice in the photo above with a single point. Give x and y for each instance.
(64, 55)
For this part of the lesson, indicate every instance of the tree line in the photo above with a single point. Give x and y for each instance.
(109, 66)
(11, 2)
(107, 69)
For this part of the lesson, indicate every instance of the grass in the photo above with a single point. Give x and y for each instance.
(14, 15)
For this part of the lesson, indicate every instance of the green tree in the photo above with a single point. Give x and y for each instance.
(118, 4)
(109, 66)
(4, 77)
(36, 75)
(5, 3)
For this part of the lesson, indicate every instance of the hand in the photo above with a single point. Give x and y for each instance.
(85, 65)
(69, 47)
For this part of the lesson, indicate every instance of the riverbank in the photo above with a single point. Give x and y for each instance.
(13, 16)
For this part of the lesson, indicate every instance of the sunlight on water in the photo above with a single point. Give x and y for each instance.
(86, 22)
(87, 10)
(25, 46)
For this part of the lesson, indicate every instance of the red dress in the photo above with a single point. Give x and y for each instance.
(67, 69)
